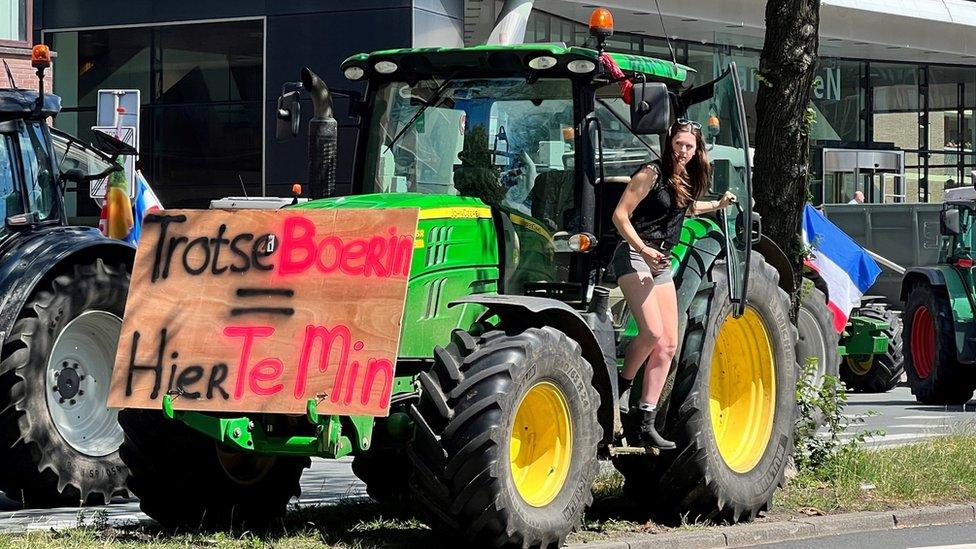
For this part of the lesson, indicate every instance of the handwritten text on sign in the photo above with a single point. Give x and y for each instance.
(260, 311)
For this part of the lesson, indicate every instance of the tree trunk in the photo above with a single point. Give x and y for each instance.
(782, 156)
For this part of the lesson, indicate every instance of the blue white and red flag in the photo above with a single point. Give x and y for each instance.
(844, 265)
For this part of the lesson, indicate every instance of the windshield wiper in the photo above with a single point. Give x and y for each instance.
(434, 98)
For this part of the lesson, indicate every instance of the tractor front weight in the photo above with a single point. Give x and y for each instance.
(864, 336)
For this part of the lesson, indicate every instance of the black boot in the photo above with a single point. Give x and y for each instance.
(649, 434)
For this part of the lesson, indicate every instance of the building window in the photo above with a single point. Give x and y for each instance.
(13, 20)
(201, 90)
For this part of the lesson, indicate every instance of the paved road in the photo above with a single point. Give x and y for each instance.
(960, 536)
(905, 420)
(326, 481)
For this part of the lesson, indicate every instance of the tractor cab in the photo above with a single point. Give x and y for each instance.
(541, 135)
(37, 162)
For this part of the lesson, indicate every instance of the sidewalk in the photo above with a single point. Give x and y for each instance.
(745, 535)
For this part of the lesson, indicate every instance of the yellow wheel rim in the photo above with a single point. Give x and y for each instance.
(860, 366)
(742, 391)
(541, 445)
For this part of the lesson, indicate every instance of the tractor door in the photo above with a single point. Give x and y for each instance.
(718, 107)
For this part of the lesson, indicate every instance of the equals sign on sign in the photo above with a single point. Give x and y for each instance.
(263, 292)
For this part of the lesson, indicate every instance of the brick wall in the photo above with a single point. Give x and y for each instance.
(24, 75)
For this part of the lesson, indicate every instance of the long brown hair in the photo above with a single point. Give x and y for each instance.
(690, 182)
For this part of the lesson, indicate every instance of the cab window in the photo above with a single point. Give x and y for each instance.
(40, 181)
(10, 200)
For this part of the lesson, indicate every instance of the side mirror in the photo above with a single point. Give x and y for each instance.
(650, 108)
(949, 224)
(289, 116)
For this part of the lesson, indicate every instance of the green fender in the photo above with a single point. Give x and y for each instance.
(959, 287)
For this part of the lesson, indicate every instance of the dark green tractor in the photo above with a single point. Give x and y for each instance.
(940, 333)
(64, 290)
(505, 395)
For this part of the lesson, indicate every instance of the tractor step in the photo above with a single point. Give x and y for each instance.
(625, 450)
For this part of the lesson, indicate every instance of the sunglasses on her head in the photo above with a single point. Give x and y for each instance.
(686, 122)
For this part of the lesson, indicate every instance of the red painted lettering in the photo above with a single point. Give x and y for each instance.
(354, 250)
(374, 257)
(326, 338)
(248, 333)
(353, 372)
(378, 256)
(268, 369)
(296, 241)
(404, 255)
(335, 243)
(375, 368)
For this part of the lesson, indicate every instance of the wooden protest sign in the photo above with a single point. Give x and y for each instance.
(260, 311)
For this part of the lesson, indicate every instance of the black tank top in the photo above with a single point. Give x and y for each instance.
(659, 217)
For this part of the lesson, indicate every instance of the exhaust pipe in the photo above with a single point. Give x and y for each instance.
(511, 22)
(323, 131)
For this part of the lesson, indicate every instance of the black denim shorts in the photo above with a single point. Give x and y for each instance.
(626, 261)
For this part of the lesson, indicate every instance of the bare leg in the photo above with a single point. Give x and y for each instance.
(662, 351)
(637, 289)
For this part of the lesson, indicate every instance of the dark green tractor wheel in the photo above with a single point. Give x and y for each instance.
(59, 439)
(188, 481)
(934, 373)
(505, 446)
(817, 339)
(386, 472)
(878, 373)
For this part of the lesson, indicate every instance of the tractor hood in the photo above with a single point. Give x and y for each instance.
(455, 206)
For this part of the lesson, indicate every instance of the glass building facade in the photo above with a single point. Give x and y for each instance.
(201, 90)
(925, 111)
(209, 74)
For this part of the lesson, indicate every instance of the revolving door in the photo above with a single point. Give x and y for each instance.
(879, 174)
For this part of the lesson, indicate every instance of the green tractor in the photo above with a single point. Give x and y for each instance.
(866, 354)
(505, 396)
(940, 333)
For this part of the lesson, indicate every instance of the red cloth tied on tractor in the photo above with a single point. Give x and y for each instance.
(626, 86)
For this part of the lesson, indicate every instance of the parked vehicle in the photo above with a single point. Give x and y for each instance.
(64, 294)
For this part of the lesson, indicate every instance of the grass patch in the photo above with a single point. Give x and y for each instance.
(938, 470)
(352, 524)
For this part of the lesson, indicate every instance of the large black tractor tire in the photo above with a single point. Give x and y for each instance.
(878, 373)
(188, 482)
(817, 340)
(732, 409)
(59, 440)
(505, 447)
(934, 373)
(386, 473)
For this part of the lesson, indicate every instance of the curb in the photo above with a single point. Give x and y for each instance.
(745, 535)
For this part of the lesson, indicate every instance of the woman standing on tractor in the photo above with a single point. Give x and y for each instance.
(649, 217)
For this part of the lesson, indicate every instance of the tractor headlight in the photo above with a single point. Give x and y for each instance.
(581, 66)
(354, 72)
(542, 62)
(385, 67)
